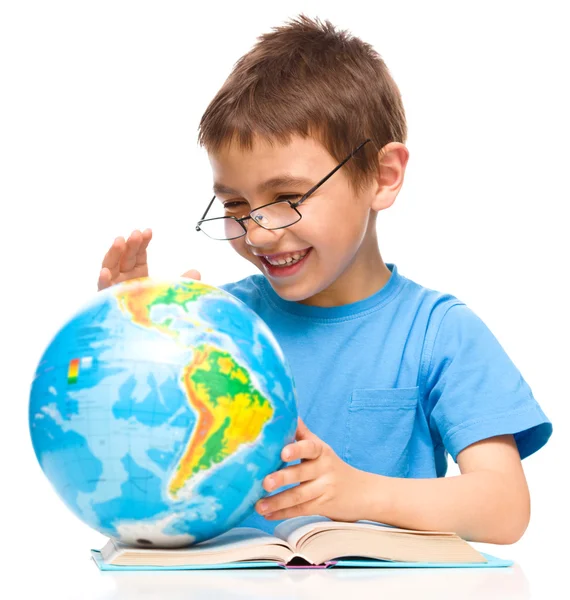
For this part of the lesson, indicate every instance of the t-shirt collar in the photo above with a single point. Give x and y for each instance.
(378, 299)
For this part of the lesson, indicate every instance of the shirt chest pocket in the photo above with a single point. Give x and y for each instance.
(379, 430)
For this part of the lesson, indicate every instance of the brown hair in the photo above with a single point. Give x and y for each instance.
(307, 78)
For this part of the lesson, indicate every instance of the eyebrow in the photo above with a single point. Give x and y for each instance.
(271, 184)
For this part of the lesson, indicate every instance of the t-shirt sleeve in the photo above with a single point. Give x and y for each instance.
(246, 290)
(475, 391)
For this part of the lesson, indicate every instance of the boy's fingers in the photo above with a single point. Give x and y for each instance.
(113, 256)
(129, 259)
(292, 497)
(302, 450)
(303, 432)
(141, 257)
(104, 279)
(192, 274)
(290, 475)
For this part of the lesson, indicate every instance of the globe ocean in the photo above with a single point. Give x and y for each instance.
(157, 410)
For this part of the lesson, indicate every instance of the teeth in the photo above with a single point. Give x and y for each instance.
(286, 261)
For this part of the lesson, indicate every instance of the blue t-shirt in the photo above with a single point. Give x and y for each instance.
(395, 382)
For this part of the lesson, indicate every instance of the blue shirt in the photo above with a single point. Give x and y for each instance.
(397, 381)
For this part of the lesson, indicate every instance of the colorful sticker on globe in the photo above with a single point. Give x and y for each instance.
(73, 370)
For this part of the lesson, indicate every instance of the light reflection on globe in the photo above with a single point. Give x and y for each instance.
(158, 409)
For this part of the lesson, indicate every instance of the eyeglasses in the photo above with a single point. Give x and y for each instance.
(275, 215)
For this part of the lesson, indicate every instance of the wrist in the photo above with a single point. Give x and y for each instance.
(374, 499)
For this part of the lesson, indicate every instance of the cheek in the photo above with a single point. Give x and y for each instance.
(354, 222)
(240, 247)
(335, 220)
(339, 231)
(317, 224)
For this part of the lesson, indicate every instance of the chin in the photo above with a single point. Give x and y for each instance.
(293, 293)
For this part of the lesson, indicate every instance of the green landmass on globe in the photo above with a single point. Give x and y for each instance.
(221, 392)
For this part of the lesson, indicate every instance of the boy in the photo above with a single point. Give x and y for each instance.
(306, 142)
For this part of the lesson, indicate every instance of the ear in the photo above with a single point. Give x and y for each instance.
(392, 161)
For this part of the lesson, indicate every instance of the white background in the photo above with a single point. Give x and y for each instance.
(99, 108)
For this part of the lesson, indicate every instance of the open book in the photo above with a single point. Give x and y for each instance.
(305, 541)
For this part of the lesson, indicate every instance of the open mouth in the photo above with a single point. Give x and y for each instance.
(281, 267)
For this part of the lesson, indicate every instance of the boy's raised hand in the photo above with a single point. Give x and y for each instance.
(329, 487)
(125, 259)
(128, 260)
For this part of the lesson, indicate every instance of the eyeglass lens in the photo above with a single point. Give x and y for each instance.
(274, 216)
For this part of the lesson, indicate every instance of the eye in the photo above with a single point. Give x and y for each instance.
(288, 197)
(233, 205)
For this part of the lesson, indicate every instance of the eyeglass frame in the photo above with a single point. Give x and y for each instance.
(293, 204)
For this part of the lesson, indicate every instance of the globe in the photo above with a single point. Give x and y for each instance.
(157, 410)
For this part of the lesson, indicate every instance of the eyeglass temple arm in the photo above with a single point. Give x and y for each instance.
(206, 212)
(317, 185)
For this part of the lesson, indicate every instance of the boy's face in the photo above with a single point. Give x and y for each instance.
(335, 240)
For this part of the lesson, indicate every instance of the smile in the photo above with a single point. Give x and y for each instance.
(283, 259)
(285, 264)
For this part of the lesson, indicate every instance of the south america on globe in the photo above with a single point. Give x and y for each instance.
(157, 410)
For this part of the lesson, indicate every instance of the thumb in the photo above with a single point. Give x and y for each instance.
(192, 274)
(303, 432)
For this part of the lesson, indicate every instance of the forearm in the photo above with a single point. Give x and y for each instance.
(482, 506)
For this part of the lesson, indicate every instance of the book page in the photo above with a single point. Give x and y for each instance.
(391, 546)
(235, 538)
(239, 543)
(286, 531)
(298, 530)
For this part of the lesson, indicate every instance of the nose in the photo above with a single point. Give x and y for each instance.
(259, 237)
